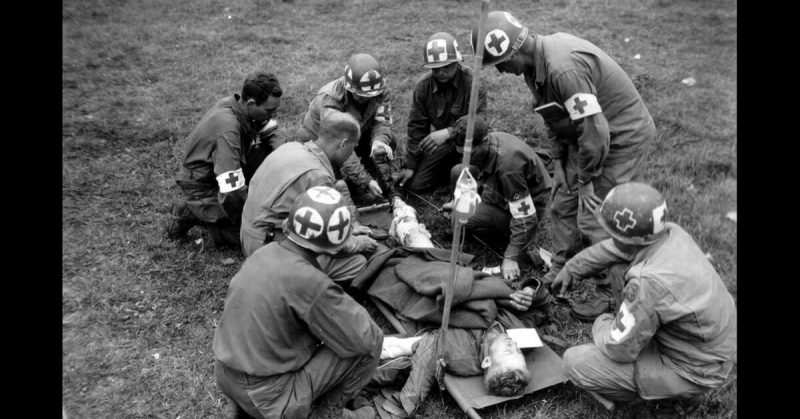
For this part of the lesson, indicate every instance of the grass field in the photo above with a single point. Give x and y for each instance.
(139, 311)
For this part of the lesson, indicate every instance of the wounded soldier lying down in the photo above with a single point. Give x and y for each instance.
(490, 352)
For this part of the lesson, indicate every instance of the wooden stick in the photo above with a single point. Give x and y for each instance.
(608, 404)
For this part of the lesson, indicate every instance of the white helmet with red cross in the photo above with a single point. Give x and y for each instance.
(633, 213)
(363, 76)
(441, 50)
(319, 220)
(503, 37)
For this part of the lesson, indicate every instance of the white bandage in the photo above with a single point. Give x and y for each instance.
(230, 181)
(581, 105)
(394, 347)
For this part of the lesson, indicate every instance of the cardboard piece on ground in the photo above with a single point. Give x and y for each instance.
(545, 366)
(525, 338)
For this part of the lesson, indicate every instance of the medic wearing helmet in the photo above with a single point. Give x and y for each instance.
(362, 93)
(440, 98)
(602, 127)
(674, 333)
(289, 336)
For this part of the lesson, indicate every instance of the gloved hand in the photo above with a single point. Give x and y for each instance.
(375, 188)
(404, 176)
(434, 140)
(379, 148)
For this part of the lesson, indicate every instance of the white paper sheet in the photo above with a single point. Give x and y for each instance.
(525, 338)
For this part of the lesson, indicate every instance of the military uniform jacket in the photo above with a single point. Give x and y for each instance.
(375, 120)
(673, 298)
(280, 308)
(286, 173)
(604, 113)
(214, 157)
(438, 106)
(515, 179)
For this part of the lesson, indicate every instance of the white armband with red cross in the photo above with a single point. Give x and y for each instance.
(231, 181)
(522, 207)
(383, 114)
(581, 105)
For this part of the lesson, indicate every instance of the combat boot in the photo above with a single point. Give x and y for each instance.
(602, 301)
(180, 221)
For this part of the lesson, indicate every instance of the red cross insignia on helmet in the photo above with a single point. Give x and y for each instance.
(441, 50)
(319, 220)
(363, 76)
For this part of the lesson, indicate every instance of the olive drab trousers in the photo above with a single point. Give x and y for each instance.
(570, 225)
(326, 378)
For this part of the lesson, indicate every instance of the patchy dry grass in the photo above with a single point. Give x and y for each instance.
(139, 312)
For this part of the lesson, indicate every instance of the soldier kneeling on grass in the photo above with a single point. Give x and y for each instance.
(289, 336)
(674, 335)
(514, 186)
(221, 154)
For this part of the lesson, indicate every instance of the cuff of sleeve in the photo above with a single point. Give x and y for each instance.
(512, 252)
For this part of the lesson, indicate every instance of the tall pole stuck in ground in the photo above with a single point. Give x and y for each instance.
(465, 196)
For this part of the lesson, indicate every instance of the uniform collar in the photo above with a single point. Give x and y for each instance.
(539, 63)
(491, 156)
(240, 111)
(323, 158)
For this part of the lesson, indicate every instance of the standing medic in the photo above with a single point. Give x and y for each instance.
(602, 127)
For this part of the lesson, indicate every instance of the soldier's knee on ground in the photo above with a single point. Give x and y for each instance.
(576, 359)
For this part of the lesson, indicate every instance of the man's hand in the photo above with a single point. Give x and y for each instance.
(509, 268)
(379, 148)
(561, 283)
(521, 300)
(559, 179)
(375, 188)
(434, 140)
(404, 176)
(364, 244)
(587, 198)
(361, 229)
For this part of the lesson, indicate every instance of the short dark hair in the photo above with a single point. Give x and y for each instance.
(260, 85)
(459, 131)
(507, 383)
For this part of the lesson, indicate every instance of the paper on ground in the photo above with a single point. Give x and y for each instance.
(525, 338)
(546, 256)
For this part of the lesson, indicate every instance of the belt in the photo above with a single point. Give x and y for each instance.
(240, 374)
(273, 234)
